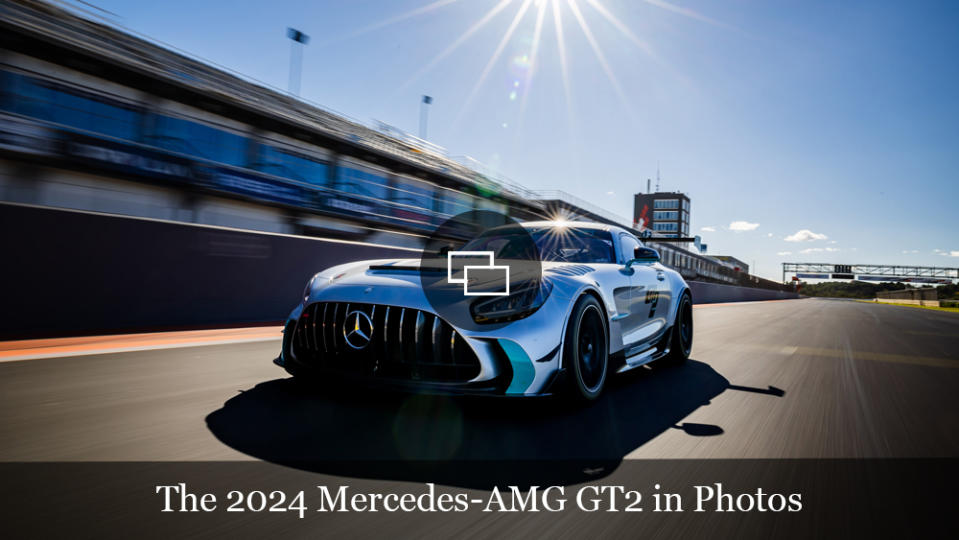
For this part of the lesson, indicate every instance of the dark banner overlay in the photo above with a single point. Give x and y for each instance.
(875, 498)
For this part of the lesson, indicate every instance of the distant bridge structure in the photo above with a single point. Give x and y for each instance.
(871, 272)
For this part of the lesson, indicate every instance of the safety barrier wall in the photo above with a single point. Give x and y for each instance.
(711, 293)
(74, 273)
(70, 273)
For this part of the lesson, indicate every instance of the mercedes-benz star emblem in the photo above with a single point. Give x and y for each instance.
(357, 329)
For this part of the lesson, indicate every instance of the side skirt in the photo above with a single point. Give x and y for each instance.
(638, 356)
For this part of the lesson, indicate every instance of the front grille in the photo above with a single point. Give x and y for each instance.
(405, 343)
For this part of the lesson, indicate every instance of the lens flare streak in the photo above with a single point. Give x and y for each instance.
(524, 7)
(686, 12)
(531, 70)
(563, 64)
(528, 63)
(598, 52)
(423, 10)
(601, 9)
(459, 41)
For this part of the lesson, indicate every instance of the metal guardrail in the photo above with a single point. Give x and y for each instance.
(416, 142)
(494, 177)
(560, 195)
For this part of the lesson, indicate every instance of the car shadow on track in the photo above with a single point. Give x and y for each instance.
(463, 441)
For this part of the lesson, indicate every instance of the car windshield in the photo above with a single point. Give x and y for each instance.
(565, 244)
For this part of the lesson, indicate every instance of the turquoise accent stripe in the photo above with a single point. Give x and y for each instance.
(523, 370)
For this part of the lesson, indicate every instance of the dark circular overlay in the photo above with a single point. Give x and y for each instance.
(471, 261)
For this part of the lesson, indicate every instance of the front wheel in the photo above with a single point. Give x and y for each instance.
(681, 340)
(586, 349)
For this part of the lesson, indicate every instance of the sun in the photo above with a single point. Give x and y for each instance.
(531, 16)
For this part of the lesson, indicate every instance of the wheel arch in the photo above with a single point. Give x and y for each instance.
(686, 290)
(674, 304)
(587, 291)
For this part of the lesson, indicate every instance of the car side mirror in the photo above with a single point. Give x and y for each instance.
(643, 255)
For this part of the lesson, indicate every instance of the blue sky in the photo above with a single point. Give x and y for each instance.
(836, 118)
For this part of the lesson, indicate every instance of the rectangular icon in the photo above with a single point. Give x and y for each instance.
(488, 279)
(456, 260)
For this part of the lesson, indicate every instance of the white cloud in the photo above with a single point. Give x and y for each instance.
(781, 253)
(769, 235)
(953, 253)
(740, 226)
(805, 235)
(708, 229)
(610, 193)
(820, 250)
(905, 251)
(833, 242)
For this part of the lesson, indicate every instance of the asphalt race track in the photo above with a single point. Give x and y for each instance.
(790, 379)
(804, 378)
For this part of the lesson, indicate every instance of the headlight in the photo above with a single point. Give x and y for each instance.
(323, 278)
(518, 305)
(309, 287)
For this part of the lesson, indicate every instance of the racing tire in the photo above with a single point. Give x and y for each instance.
(681, 338)
(586, 350)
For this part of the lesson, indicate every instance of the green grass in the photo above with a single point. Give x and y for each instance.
(951, 309)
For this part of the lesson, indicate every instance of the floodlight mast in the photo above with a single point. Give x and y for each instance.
(297, 41)
(424, 114)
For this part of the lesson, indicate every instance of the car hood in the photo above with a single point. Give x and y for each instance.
(397, 281)
(413, 265)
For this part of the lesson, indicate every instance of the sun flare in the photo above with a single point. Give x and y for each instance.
(528, 19)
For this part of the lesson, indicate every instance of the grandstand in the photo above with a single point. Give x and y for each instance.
(95, 118)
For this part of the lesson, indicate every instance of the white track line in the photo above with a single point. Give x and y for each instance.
(107, 350)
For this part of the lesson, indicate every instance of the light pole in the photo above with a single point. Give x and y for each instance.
(299, 39)
(424, 111)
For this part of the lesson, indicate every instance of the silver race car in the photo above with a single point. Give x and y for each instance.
(601, 304)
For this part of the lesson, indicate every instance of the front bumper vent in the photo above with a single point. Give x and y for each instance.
(391, 342)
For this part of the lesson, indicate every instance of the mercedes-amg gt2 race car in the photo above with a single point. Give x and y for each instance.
(603, 304)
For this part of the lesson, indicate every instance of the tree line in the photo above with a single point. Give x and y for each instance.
(863, 289)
